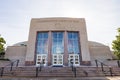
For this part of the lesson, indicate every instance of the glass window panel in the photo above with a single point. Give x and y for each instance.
(54, 42)
(54, 35)
(76, 63)
(60, 35)
(73, 43)
(39, 36)
(45, 35)
(55, 59)
(55, 62)
(42, 43)
(57, 42)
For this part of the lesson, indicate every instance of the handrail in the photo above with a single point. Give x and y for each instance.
(102, 66)
(13, 63)
(36, 71)
(1, 71)
(118, 63)
(96, 61)
(73, 69)
(11, 66)
(38, 68)
(85, 72)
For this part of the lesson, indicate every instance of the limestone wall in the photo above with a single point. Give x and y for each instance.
(99, 51)
(57, 24)
(16, 52)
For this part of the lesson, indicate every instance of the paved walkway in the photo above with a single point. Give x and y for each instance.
(82, 78)
(113, 78)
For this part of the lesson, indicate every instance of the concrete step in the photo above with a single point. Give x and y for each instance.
(58, 78)
(60, 72)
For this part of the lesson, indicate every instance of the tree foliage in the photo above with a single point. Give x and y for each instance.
(116, 44)
(2, 43)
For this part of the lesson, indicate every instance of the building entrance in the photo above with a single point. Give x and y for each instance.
(57, 60)
(41, 60)
(74, 60)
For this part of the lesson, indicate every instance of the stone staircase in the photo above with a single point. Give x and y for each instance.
(60, 72)
(89, 72)
(115, 71)
(45, 72)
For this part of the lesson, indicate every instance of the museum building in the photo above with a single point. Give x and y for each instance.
(58, 42)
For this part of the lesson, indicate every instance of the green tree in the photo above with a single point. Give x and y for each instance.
(116, 44)
(2, 43)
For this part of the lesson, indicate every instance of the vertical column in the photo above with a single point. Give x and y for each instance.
(49, 48)
(79, 44)
(65, 56)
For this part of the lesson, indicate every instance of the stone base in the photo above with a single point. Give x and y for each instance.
(29, 63)
(86, 63)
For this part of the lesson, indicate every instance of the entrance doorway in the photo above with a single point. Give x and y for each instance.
(74, 59)
(57, 60)
(41, 59)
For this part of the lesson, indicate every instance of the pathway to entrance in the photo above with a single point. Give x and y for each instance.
(81, 78)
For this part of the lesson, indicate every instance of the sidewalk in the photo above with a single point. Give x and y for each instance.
(47, 78)
(114, 78)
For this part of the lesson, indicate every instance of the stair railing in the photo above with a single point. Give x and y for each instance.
(118, 63)
(1, 71)
(37, 71)
(102, 67)
(11, 64)
(73, 68)
(39, 68)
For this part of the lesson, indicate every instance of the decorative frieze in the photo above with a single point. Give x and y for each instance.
(46, 21)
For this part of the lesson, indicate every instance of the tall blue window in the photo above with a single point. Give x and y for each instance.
(42, 43)
(73, 43)
(57, 42)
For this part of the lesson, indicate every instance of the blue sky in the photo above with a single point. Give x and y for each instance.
(102, 17)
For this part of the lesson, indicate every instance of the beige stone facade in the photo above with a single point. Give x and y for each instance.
(16, 52)
(88, 51)
(99, 51)
(58, 24)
